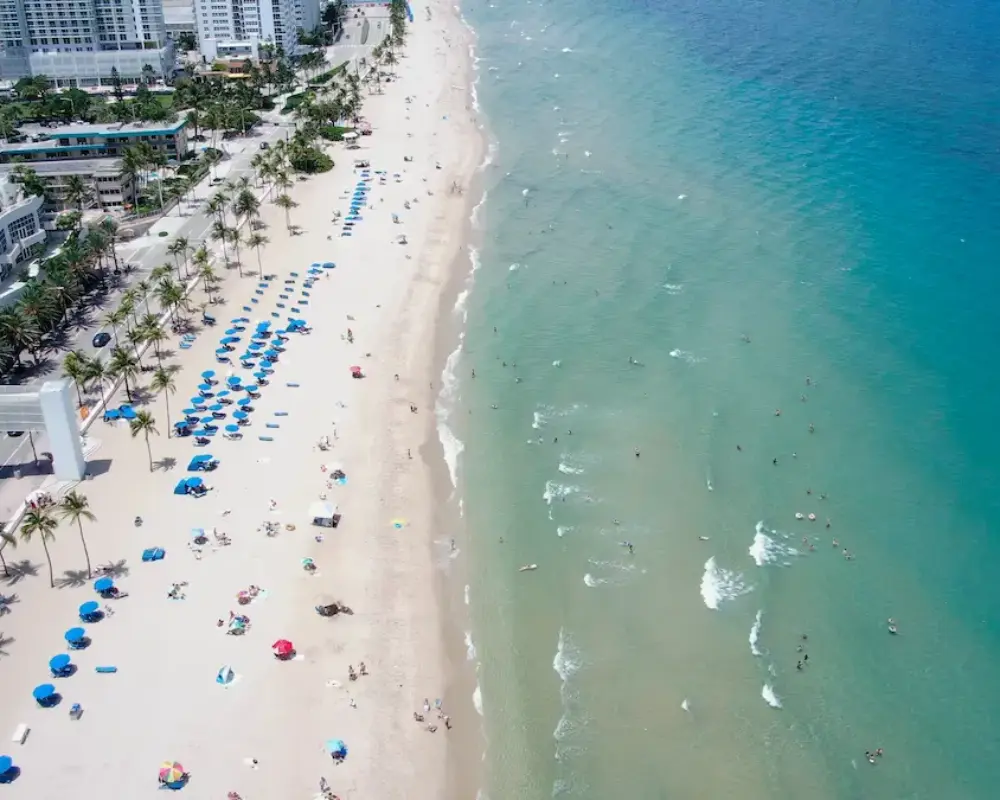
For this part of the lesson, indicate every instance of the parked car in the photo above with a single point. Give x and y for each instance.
(101, 339)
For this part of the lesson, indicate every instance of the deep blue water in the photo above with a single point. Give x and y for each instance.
(823, 178)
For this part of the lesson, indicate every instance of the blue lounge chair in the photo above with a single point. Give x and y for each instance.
(153, 554)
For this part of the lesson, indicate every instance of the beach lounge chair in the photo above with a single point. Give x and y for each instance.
(153, 554)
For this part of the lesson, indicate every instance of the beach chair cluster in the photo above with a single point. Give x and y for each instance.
(223, 406)
(124, 411)
(191, 486)
(358, 201)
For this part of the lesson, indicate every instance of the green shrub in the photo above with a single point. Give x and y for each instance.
(333, 133)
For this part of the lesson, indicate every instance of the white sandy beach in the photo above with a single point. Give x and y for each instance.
(164, 702)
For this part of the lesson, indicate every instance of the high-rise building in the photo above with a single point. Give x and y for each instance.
(178, 16)
(79, 42)
(237, 28)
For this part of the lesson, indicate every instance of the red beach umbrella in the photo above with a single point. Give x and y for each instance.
(283, 648)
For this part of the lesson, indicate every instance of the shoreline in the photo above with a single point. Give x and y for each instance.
(407, 623)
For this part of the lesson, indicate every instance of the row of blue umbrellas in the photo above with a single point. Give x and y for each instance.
(358, 200)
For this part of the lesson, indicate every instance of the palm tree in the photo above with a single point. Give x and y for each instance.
(233, 235)
(157, 274)
(286, 202)
(155, 335)
(77, 191)
(110, 229)
(208, 277)
(96, 370)
(220, 233)
(20, 331)
(75, 368)
(123, 365)
(257, 241)
(143, 288)
(170, 296)
(180, 247)
(76, 508)
(40, 522)
(5, 540)
(137, 338)
(163, 383)
(144, 424)
(113, 319)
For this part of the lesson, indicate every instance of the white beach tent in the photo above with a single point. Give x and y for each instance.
(323, 514)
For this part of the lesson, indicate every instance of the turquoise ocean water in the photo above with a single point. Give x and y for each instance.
(669, 180)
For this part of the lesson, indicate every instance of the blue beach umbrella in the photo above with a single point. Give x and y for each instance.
(208, 374)
(256, 346)
(189, 412)
(59, 663)
(250, 388)
(229, 339)
(244, 401)
(233, 381)
(207, 420)
(232, 428)
(181, 426)
(222, 351)
(44, 692)
(215, 407)
(261, 376)
(205, 387)
(336, 747)
(223, 393)
(241, 415)
(103, 585)
(329, 265)
(89, 608)
(75, 635)
(232, 331)
(272, 354)
(266, 364)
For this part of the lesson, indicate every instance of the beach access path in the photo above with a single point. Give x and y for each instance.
(263, 735)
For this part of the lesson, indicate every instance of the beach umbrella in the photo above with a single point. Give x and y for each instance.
(283, 648)
(272, 354)
(181, 426)
(189, 412)
(329, 265)
(229, 340)
(232, 428)
(204, 387)
(198, 402)
(127, 412)
(89, 608)
(223, 393)
(104, 585)
(233, 381)
(336, 747)
(207, 420)
(208, 374)
(43, 692)
(244, 401)
(59, 663)
(216, 407)
(263, 284)
(75, 635)
(250, 389)
(225, 676)
(232, 331)
(261, 376)
(171, 772)
(6, 764)
(240, 415)
(222, 351)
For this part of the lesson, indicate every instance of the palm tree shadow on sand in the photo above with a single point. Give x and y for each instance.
(113, 569)
(4, 642)
(165, 463)
(73, 579)
(17, 571)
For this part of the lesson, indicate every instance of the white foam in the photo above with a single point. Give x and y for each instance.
(557, 363)
(490, 157)
(555, 490)
(568, 469)
(562, 530)
(477, 699)
(755, 634)
(686, 706)
(566, 50)
(770, 697)
(566, 662)
(719, 585)
(466, 594)
(767, 549)
(470, 647)
(460, 309)
(685, 355)
(591, 581)
(514, 267)
(537, 420)
(673, 288)
(474, 216)
(450, 443)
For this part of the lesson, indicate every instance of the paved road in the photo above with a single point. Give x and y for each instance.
(145, 253)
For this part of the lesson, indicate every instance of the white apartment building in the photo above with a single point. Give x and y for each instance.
(178, 17)
(21, 234)
(237, 28)
(78, 42)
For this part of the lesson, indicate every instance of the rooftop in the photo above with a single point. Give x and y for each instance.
(113, 129)
(73, 166)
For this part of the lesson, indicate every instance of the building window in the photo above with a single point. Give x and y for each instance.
(3, 241)
(22, 228)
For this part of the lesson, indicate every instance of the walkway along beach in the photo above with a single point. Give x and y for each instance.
(263, 731)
